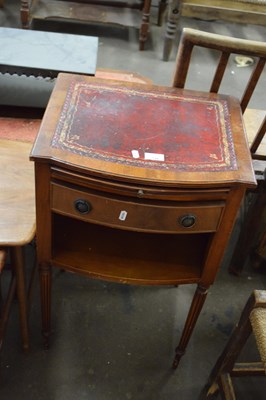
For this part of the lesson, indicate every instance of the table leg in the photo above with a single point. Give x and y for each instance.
(144, 28)
(17, 260)
(194, 312)
(171, 27)
(24, 13)
(45, 289)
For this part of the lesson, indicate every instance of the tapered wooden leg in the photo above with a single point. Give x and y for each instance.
(194, 311)
(17, 260)
(171, 27)
(45, 288)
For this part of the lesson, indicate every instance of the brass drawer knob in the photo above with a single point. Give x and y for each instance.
(187, 221)
(82, 206)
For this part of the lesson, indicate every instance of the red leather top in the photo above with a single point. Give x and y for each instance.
(146, 128)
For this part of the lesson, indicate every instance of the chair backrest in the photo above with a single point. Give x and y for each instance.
(226, 46)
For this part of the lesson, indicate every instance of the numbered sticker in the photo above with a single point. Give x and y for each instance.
(154, 156)
(122, 215)
(135, 153)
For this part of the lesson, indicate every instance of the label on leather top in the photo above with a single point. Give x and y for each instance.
(147, 129)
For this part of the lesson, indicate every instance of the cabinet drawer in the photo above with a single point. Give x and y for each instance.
(126, 213)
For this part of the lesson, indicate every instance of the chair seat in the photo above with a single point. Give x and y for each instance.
(258, 322)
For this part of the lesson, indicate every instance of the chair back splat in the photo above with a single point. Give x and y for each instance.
(227, 46)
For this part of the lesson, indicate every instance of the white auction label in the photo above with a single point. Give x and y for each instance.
(154, 156)
(135, 153)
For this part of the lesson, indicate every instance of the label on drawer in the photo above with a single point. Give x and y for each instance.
(122, 215)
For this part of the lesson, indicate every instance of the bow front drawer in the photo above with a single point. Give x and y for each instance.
(136, 214)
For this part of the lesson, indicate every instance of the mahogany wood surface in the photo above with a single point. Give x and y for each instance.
(111, 213)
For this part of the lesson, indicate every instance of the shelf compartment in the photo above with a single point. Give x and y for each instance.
(128, 257)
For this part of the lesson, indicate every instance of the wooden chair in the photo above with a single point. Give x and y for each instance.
(240, 11)
(255, 120)
(227, 46)
(252, 320)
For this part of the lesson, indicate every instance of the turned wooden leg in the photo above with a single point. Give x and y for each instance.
(24, 13)
(194, 311)
(144, 28)
(45, 289)
(171, 27)
(17, 261)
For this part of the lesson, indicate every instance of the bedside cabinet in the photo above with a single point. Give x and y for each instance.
(137, 184)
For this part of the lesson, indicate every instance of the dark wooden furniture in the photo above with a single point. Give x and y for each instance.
(130, 189)
(134, 13)
(46, 53)
(17, 210)
(255, 121)
(252, 320)
(240, 11)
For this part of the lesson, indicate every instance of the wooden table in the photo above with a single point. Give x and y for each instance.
(46, 53)
(129, 13)
(17, 217)
(138, 184)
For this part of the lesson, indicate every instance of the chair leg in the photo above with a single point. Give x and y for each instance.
(6, 309)
(17, 259)
(226, 361)
(171, 27)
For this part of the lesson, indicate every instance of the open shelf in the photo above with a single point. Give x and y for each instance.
(125, 256)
